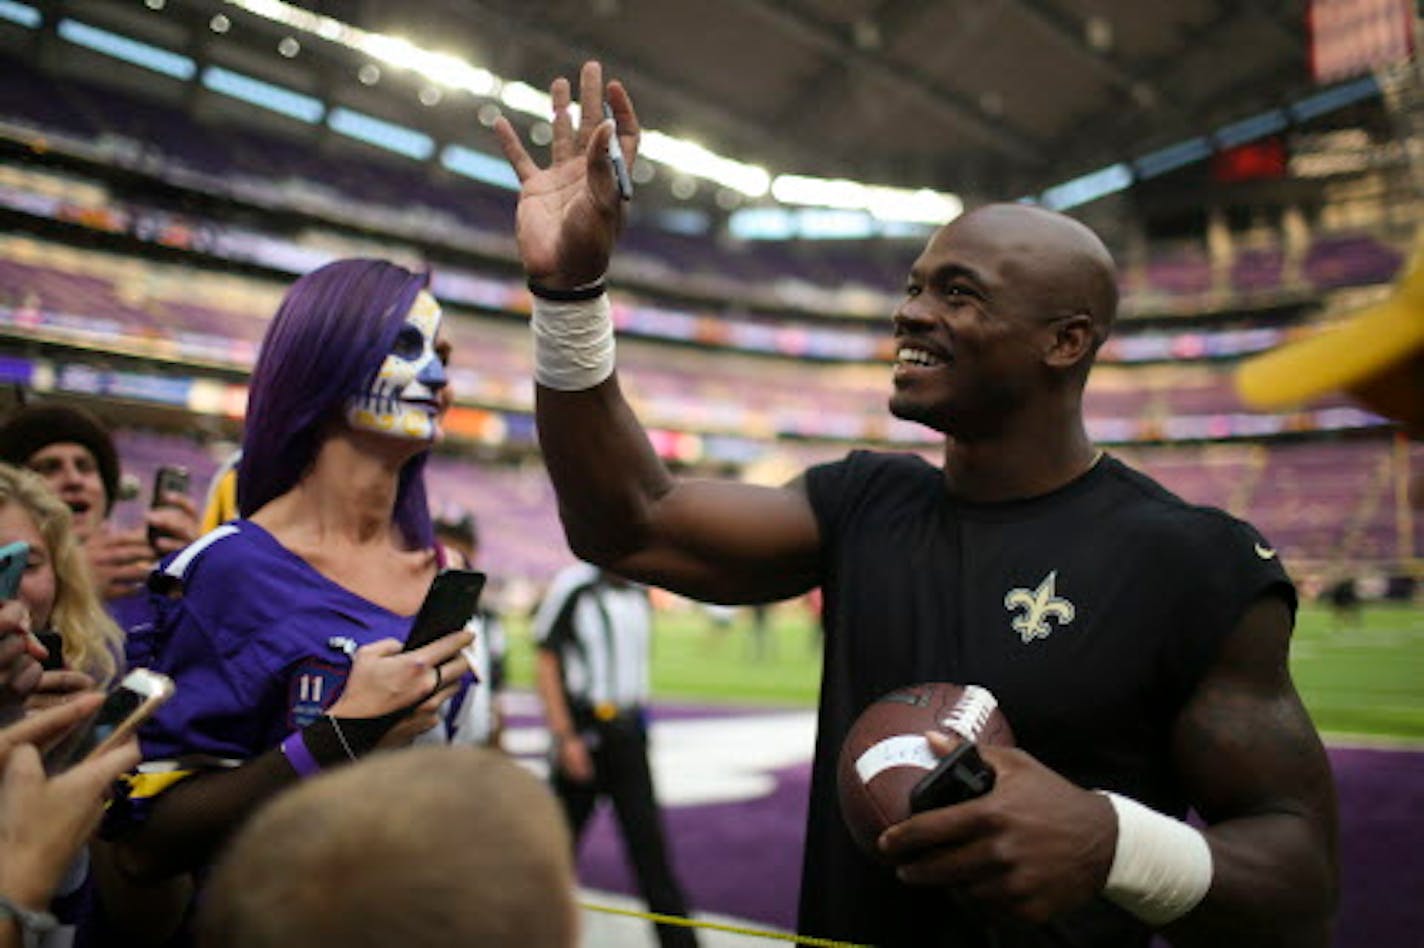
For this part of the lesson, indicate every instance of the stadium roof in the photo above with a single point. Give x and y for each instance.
(985, 99)
(1002, 97)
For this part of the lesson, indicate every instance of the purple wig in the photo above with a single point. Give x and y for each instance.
(335, 327)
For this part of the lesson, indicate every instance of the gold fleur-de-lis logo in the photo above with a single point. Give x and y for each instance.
(1039, 606)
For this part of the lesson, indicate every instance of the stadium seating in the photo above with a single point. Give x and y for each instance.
(1318, 501)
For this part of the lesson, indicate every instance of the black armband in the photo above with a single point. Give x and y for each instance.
(333, 741)
(578, 294)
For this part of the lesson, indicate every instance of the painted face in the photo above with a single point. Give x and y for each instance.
(405, 400)
(37, 586)
(73, 474)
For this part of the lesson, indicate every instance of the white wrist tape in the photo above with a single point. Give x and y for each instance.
(1162, 867)
(573, 343)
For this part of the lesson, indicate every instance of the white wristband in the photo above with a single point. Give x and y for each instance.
(1162, 867)
(573, 343)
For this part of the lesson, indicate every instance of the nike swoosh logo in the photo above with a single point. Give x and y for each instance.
(1264, 552)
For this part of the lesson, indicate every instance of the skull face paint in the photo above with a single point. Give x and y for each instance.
(404, 399)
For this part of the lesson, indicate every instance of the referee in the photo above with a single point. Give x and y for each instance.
(593, 630)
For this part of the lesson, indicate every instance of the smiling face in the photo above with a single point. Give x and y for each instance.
(408, 396)
(73, 474)
(980, 334)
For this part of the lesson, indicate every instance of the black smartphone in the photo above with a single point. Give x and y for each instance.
(170, 479)
(449, 604)
(55, 646)
(960, 775)
(133, 701)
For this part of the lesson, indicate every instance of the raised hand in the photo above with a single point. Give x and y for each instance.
(45, 821)
(570, 213)
(173, 525)
(119, 561)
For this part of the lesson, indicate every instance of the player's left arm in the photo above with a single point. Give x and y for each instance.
(1255, 769)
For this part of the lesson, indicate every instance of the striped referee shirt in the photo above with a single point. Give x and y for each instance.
(601, 633)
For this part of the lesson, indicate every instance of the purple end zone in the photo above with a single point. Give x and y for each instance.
(1381, 847)
(744, 859)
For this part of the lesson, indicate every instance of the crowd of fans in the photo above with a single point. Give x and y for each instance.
(309, 780)
(281, 633)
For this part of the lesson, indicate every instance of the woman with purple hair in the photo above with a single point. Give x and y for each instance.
(283, 629)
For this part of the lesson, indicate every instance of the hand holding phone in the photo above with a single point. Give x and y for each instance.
(54, 645)
(960, 775)
(170, 479)
(449, 605)
(133, 701)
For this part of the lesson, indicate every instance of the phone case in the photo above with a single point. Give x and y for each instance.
(960, 775)
(54, 644)
(13, 559)
(168, 480)
(132, 702)
(449, 604)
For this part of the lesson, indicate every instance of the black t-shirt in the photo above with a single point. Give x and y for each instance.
(1090, 612)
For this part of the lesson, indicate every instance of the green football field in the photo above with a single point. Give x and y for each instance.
(1365, 678)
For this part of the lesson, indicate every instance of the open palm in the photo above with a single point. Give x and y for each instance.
(570, 213)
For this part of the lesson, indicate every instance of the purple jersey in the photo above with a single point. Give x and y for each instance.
(259, 644)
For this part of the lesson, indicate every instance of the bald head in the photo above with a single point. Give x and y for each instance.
(1056, 262)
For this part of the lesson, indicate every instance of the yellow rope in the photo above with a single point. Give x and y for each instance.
(717, 926)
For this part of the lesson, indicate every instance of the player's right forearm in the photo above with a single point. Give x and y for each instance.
(604, 469)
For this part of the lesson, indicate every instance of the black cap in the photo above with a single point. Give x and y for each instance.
(35, 428)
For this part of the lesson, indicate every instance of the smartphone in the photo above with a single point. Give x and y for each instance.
(449, 604)
(170, 479)
(53, 644)
(960, 775)
(13, 559)
(133, 701)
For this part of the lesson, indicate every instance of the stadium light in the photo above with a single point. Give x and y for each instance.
(481, 167)
(1088, 187)
(522, 97)
(679, 154)
(1250, 129)
(1172, 157)
(265, 95)
(21, 13)
(129, 50)
(883, 203)
(694, 159)
(382, 134)
(1337, 98)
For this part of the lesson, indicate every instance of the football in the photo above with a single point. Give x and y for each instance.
(885, 753)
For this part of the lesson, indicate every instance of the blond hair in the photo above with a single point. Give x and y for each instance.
(424, 847)
(92, 640)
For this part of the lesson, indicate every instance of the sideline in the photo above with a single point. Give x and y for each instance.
(1347, 741)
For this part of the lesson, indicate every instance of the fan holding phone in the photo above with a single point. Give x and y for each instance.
(45, 590)
(291, 632)
(75, 454)
(46, 822)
